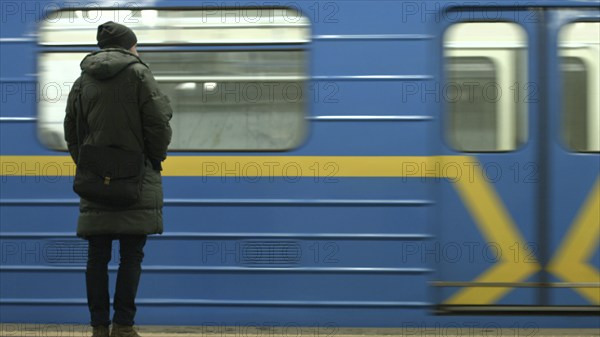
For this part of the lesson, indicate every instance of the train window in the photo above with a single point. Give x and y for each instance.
(575, 103)
(472, 118)
(580, 69)
(57, 73)
(233, 100)
(223, 99)
(485, 67)
(177, 27)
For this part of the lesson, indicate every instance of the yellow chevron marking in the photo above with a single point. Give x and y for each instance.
(570, 261)
(496, 226)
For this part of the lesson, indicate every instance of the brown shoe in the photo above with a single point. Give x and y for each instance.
(100, 331)
(123, 331)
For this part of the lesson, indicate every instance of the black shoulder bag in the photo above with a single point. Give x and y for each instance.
(106, 175)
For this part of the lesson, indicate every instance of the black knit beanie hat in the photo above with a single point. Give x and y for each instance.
(114, 34)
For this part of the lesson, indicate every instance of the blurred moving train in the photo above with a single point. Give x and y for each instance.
(334, 163)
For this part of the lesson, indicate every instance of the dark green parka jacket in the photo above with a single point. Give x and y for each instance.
(124, 108)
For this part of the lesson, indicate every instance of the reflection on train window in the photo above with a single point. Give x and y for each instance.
(580, 72)
(472, 117)
(233, 100)
(575, 103)
(486, 89)
(230, 98)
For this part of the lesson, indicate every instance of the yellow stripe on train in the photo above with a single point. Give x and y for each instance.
(486, 208)
(249, 166)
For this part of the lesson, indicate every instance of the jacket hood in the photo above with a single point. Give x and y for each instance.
(107, 63)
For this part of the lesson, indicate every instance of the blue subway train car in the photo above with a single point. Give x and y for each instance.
(333, 163)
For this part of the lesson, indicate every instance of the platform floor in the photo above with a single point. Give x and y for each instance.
(50, 330)
(357, 332)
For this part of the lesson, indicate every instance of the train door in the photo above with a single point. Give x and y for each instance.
(510, 184)
(573, 72)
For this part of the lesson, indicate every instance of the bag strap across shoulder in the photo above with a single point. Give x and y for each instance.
(82, 126)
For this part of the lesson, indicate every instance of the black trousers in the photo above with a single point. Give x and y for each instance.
(128, 277)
